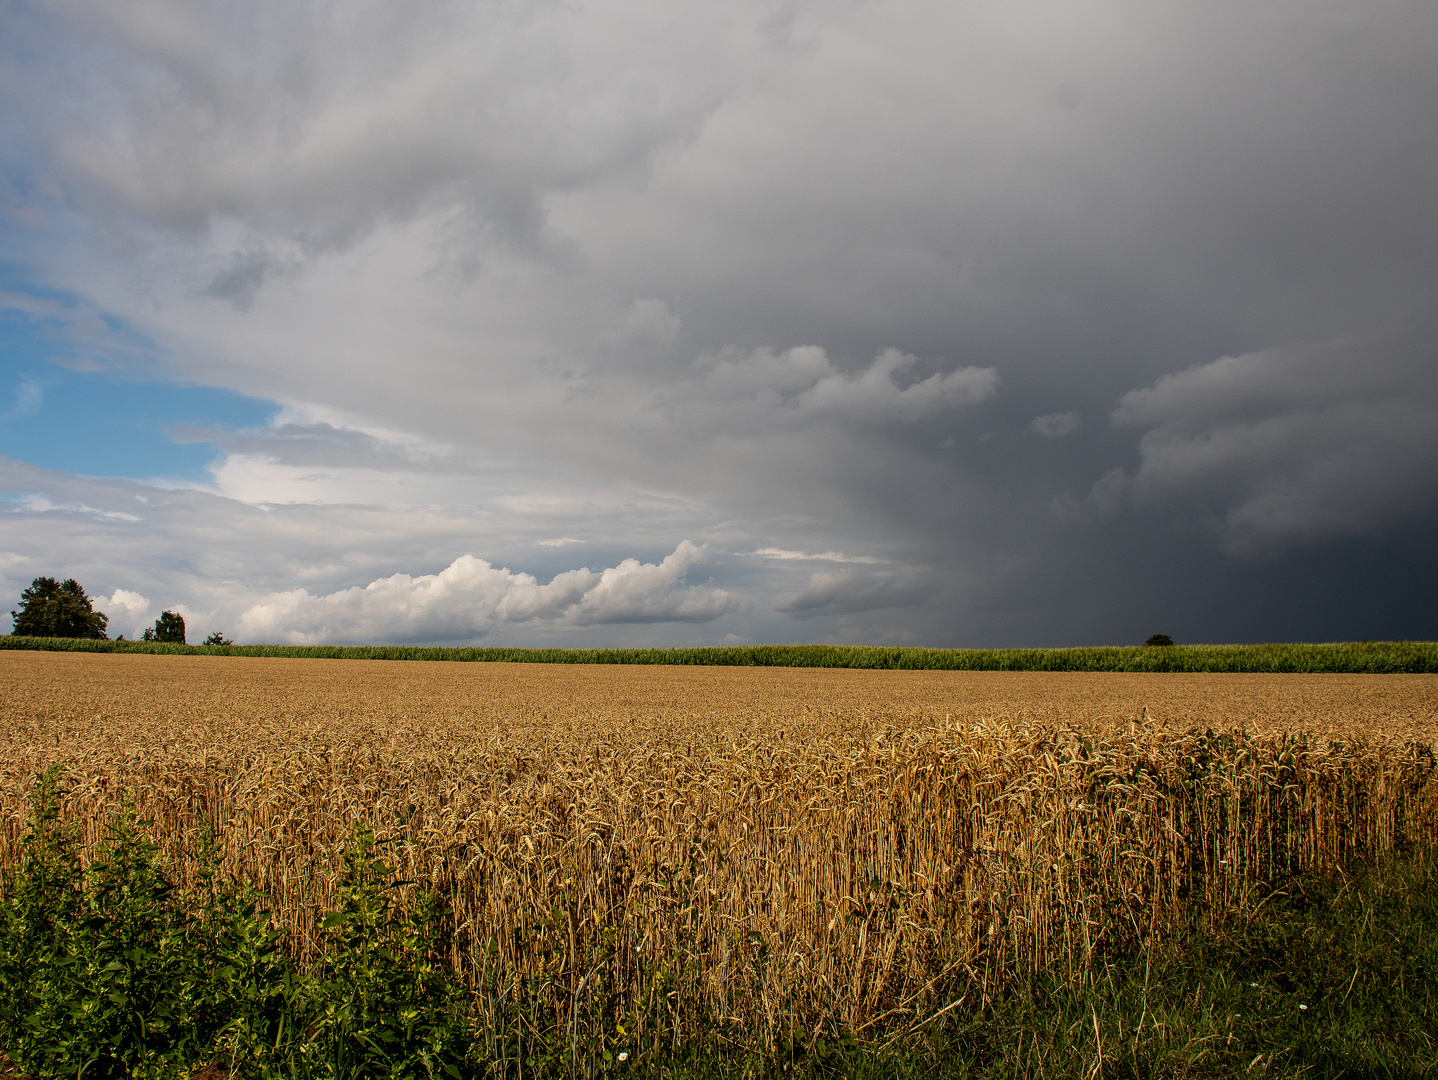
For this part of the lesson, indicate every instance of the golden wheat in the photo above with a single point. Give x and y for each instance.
(773, 850)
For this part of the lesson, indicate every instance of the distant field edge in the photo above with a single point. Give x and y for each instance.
(1353, 657)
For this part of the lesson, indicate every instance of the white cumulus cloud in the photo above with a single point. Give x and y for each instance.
(470, 597)
(131, 603)
(128, 611)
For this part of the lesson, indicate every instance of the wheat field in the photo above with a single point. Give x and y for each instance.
(655, 850)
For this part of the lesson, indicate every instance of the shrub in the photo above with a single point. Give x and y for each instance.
(217, 638)
(1159, 639)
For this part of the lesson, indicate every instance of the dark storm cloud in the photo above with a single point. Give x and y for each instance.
(1020, 299)
(1293, 446)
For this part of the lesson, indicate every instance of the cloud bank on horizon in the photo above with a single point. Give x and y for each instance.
(469, 597)
(466, 322)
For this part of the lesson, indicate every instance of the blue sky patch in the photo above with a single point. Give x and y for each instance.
(69, 399)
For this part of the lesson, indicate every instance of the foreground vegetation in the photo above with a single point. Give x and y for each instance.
(1375, 657)
(694, 871)
(119, 969)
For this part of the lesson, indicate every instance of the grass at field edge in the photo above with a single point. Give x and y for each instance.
(1367, 657)
(1331, 979)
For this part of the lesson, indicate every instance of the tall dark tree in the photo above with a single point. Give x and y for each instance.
(50, 608)
(168, 627)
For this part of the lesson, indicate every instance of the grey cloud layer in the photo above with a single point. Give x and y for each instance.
(320, 121)
(1294, 446)
(803, 384)
(831, 277)
(852, 591)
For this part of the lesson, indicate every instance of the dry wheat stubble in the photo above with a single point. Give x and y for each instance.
(786, 844)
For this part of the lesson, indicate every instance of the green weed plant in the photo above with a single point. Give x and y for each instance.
(111, 970)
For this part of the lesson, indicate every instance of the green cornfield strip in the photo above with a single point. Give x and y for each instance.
(1360, 657)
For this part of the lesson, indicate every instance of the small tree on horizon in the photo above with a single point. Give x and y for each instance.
(1159, 639)
(50, 608)
(169, 627)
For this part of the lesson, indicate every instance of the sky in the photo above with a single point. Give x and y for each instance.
(660, 322)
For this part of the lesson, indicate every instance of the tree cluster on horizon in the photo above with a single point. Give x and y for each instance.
(51, 608)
